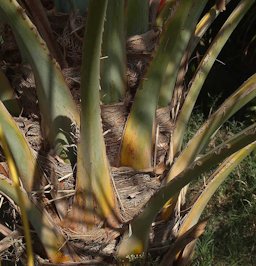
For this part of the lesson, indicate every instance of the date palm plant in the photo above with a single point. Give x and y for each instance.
(66, 219)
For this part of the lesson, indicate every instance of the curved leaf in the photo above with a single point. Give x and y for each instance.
(188, 238)
(41, 21)
(55, 101)
(200, 140)
(181, 41)
(201, 28)
(137, 16)
(136, 150)
(25, 160)
(203, 70)
(112, 79)
(50, 235)
(136, 241)
(167, 8)
(16, 182)
(216, 179)
(93, 173)
(236, 101)
(7, 95)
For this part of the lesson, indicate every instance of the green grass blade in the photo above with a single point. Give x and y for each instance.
(24, 159)
(113, 54)
(55, 101)
(136, 242)
(7, 95)
(203, 70)
(94, 175)
(136, 150)
(137, 16)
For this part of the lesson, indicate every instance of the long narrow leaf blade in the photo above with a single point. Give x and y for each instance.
(136, 241)
(94, 175)
(50, 235)
(217, 178)
(203, 25)
(16, 182)
(22, 154)
(55, 101)
(41, 21)
(7, 95)
(200, 140)
(137, 16)
(203, 70)
(113, 54)
(189, 236)
(136, 150)
(236, 101)
(167, 8)
(181, 41)
(201, 28)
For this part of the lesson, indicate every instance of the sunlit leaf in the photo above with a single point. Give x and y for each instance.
(93, 173)
(20, 196)
(113, 54)
(137, 16)
(56, 104)
(7, 95)
(203, 70)
(23, 156)
(136, 150)
(50, 235)
(188, 238)
(140, 225)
